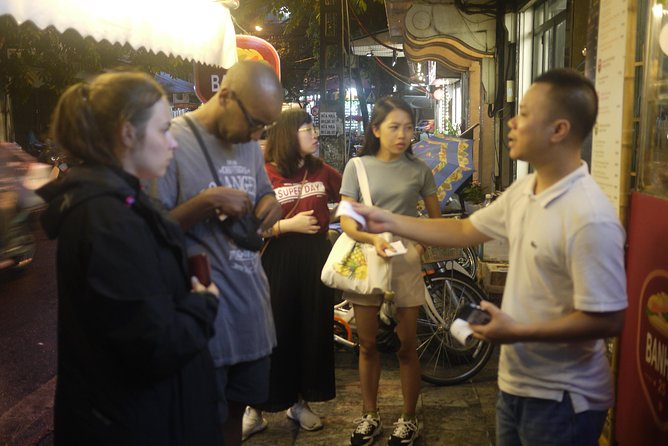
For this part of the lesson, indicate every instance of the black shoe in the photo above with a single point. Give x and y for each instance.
(368, 428)
(405, 433)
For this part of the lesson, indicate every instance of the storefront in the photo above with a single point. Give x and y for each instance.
(642, 384)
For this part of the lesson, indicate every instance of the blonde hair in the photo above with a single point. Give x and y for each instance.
(88, 118)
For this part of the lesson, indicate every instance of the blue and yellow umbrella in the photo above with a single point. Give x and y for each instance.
(450, 159)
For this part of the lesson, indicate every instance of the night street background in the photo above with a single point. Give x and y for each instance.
(28, 306)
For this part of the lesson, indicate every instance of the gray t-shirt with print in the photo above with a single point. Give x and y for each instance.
(244, 324)
(396, 185)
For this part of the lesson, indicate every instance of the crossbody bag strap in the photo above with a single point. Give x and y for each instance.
(299, 197)
(363, 181)
(198, 136)
(289, 214)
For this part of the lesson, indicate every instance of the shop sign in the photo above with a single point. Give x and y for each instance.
(642, 392)
(207, 81)
(652, 338)
(208, 78)
(328, 123)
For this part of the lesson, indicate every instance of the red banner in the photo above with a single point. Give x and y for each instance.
(208, 78)
(642, 393)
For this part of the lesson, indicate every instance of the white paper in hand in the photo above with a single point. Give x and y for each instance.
(346, 209)
(461, 330)
(399, 249)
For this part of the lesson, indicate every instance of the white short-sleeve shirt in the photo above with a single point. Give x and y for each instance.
(566, 254)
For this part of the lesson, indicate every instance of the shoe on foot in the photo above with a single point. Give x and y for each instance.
(301, 413)
(405, 433)
(252, 423)
(368, 428)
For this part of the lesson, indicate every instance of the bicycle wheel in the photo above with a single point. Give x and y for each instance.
(444, 361)
(469, 261)
(438, 258)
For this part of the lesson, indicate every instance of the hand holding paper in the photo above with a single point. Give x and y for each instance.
(346, 209)
(399, 249)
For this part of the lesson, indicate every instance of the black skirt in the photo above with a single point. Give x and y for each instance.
(302, 364)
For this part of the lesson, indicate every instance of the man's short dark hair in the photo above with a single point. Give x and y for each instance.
(572, 96)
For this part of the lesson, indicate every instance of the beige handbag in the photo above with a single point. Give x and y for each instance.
(356, 267)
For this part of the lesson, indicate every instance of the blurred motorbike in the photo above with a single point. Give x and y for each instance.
(20, 176)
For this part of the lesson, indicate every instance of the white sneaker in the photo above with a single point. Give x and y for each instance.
(252, 423)
(366, 430)
(303, 414)
(405, 433)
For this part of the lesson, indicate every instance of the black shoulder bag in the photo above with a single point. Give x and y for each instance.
(243, 230)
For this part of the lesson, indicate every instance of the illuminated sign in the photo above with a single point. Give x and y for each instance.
(208, 78)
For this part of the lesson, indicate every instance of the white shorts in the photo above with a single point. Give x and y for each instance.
(407, 282)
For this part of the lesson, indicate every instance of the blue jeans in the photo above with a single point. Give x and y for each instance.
(522, 421)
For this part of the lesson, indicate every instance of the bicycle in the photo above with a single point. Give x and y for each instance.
(465, 257)
(444, 361)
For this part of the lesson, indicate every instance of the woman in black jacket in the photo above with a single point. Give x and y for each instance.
(133, 362)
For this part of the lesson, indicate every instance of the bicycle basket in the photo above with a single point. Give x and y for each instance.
(438, 253)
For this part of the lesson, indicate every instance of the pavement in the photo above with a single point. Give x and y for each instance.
(30, 422)
(458, 415)
(461, 415)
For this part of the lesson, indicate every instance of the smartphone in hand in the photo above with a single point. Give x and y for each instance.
(198, 265)
(474, 314)
(468, 314)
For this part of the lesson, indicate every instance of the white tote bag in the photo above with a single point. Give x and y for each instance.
(356, 267)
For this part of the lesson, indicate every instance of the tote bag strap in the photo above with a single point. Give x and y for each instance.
(363, 181)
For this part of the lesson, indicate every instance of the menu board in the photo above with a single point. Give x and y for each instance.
(606, 163)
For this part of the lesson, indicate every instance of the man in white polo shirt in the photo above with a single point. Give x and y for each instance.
(566, 288)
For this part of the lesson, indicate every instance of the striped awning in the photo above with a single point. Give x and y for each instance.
(198, 30)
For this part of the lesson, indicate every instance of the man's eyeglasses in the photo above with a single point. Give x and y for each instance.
(254, 125)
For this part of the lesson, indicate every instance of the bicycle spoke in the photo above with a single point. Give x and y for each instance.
(443, 359)
(437, 353)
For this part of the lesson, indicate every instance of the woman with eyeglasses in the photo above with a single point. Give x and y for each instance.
(302, 365)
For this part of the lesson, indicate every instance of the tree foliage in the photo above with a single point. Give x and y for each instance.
(293, 28)
(293, 13)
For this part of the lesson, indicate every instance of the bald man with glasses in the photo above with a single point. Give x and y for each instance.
(221, 138)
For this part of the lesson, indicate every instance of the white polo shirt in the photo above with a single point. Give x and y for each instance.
(566, 253)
